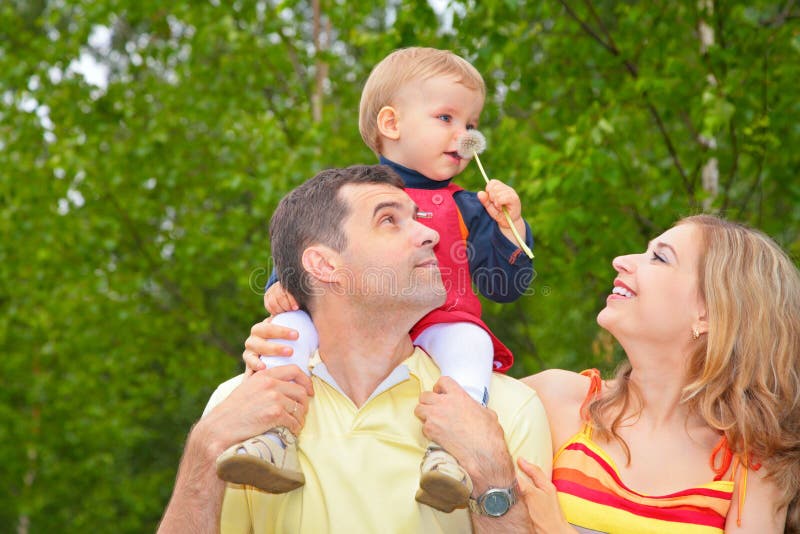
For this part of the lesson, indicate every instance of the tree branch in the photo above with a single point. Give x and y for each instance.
(634, 72)
(588, 28)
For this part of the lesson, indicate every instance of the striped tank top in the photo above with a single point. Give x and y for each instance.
(595, 500)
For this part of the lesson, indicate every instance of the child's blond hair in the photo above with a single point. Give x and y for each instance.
(399, 68)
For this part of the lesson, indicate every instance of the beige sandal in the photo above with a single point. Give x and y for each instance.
(262, 463)
(443, 483)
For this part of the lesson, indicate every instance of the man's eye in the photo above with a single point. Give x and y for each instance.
(387, 219)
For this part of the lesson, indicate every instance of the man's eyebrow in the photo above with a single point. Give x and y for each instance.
(383, 205)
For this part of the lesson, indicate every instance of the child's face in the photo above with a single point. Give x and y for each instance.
(431, 115)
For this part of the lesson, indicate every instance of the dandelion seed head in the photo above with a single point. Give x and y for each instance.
(471, 143)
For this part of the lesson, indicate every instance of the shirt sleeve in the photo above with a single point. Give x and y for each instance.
(524, 421)
(499, 268)
(235, 516)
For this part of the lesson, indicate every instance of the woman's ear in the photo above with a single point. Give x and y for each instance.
(388, 123)
(700, 324)
(320, 262)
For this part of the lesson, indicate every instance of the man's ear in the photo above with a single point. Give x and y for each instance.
(320, 262)
(388, 124)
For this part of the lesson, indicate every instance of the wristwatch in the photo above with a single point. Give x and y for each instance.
(495, 502)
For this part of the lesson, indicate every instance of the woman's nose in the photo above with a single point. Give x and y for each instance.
(623, 264)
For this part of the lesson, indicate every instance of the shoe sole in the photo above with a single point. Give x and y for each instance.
(442, 492)
(250, 471)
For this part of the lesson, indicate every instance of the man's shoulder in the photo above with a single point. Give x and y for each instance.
(222, 392)
(508, 395)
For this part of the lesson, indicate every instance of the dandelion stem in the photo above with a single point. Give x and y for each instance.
(521, 242)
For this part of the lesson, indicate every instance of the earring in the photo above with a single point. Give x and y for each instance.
(695, 334)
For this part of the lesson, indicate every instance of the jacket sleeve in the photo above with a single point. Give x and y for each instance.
(499, 268)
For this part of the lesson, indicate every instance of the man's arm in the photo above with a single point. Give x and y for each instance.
(491, 466)
(274, 397)
(474, 436)
(197, 497)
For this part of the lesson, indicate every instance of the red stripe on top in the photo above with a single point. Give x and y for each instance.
(613, 473)
(577, 477)
(699, 516)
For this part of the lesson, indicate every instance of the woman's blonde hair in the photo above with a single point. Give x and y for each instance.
(744, 375)
(399, 68)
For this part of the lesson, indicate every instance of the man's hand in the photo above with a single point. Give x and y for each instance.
(269, 398)
(468, 431)
(498, 196)
(278, 300)
(473, 435)
(258, 343)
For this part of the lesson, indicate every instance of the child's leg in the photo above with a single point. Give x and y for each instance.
(464, 352)
(305, 345)
(269, 461)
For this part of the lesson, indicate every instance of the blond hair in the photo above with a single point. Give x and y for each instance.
(399, 68)
(744, 376)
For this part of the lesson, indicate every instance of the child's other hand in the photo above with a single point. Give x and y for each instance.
(498, 196)
(278, 300)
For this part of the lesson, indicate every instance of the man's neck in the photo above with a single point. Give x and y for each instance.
(361, 349)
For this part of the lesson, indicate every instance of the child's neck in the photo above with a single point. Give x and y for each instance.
(411, 177)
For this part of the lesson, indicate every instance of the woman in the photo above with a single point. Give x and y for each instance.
(700, 429)
(701, 425)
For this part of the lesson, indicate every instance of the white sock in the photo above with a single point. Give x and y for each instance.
(464, 352)
(305, 345)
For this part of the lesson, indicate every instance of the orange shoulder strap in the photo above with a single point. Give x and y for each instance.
(595, 384)
(719, 470)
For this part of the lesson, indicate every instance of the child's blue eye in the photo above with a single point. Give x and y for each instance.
(445, 118)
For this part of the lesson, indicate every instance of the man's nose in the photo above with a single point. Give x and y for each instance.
(425, 236)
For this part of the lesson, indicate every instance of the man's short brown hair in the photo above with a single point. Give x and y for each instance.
(312, 214)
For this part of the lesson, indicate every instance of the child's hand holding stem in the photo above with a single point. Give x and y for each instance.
(499, 199)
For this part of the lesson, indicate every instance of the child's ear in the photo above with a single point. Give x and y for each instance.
(388, 125)
(319, 262)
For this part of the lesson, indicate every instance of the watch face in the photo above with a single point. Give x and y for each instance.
(496, 503)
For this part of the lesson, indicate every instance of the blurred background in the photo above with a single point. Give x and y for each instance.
(144, 145)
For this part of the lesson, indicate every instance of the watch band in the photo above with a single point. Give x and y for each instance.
(495, 502)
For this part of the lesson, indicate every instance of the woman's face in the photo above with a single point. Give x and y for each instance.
(655, 296)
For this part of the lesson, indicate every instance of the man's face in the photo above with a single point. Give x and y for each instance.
(389, 259)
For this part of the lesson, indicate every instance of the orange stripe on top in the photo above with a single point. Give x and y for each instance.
(462, 227)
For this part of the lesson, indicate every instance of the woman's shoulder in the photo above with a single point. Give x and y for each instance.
(560, 385)
(562, 393)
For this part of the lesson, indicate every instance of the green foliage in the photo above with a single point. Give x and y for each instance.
(134, 215)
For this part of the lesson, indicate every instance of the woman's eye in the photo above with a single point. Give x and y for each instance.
(656, 257)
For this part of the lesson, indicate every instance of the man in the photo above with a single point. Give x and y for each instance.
(350, 239)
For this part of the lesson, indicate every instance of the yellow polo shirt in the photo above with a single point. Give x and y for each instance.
(362, 464)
